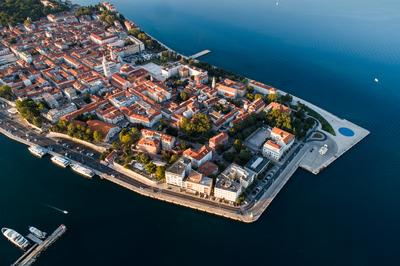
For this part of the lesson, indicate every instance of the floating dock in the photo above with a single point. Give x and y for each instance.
(30, 256)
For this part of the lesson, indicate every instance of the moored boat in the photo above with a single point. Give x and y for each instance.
(80, 169)
(15, 238)
(37, 232)
(37, 151)
(60, 161)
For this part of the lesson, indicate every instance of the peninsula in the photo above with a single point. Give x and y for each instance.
(90, 88)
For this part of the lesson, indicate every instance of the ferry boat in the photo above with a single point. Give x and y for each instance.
(15, 238)
(60, 161)
(80, 169)
(37, 151)
(37, 232)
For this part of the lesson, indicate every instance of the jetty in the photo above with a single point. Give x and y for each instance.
(30, 256)
(199, 54)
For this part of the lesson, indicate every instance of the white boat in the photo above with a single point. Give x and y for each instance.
(37, 232)
(80, 169)
(37, 151)
(60, 161)
(15, 238)
(323, 150)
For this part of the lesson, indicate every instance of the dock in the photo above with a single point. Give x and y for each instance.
(199, 54)
(30, 256)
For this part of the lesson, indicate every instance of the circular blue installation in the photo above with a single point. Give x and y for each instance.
(346, 132)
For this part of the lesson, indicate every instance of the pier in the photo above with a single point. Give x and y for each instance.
(199, 54)
(30, 256)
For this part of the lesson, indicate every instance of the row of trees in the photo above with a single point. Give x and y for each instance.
(78, 131)
(149, 42)
(31, 110)
(326, 126)
(149, 166)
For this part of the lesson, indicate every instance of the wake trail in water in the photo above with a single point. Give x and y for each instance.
(56, 209)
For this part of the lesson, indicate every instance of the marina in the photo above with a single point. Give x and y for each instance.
(30, 256)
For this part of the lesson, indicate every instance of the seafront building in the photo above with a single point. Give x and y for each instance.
(178, 172)
(280, 142)
(232, 182)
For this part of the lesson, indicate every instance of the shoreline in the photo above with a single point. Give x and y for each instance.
(247, 213)
(155, 192)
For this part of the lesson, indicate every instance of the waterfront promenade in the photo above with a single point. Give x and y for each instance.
(337, 144)
(247, 213)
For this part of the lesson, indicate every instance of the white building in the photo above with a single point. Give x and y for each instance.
(280, 142)
(197, 183)
(200, 156)
(261, 87)
(177, 172)
(106, 68)
(55, 114)
(170, 70)
(232, 182)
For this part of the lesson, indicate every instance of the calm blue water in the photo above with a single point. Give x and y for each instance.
(328, 52)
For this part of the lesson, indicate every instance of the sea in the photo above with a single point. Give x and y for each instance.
(327, 52)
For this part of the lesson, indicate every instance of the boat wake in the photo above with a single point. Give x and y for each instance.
(56, 209)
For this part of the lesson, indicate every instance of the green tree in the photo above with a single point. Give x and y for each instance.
(134, 32)
(16, 11)
(272, 97)
(250, 96)
(83, 11)
(150, 168)
(30, 111)
(142, 158)
(258, 96)
(237, 144)
(287, 98)
(160, 172)
(281, 119)
(71, 129)
(6, 92)
(229, 156)
(173, 158)
(200, 124)
(97, 136)
(184, 96)
(27, 22)
(244, 157)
